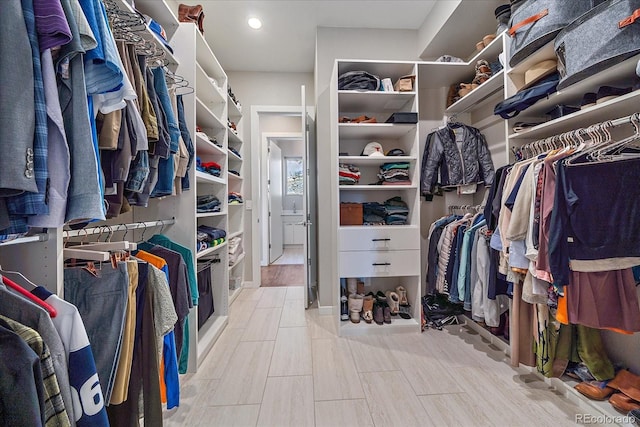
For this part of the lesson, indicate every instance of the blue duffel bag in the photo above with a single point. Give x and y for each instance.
(524, 99)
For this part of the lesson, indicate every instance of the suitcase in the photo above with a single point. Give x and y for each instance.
(534, 23)
(599, 39)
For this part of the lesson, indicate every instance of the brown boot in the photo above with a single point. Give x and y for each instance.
(367, 309)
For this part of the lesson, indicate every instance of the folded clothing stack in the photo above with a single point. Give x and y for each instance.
(397, 211)
(235, 198)
(209, 237)
(207, 203)
(349, 174)
(235, 249)
(212, 168)
(373, 213)
(395, 173)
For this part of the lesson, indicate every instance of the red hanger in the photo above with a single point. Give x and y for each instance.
(22, 291)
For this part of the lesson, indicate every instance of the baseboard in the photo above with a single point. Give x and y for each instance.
(325, 310)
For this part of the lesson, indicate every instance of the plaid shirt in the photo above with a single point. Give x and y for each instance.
(55, 412)
(34, 203)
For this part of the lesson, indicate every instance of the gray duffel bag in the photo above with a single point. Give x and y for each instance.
(599, 39)
(534, 23)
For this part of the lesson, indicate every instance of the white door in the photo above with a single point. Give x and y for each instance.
(274, 185)
(309, 204)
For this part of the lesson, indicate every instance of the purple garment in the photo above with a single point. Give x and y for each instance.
(51, 24)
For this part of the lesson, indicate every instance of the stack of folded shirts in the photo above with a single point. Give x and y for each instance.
(207, 203)
(373, 213)
(396, 173)
(235, 198)
(209, 237)
(349, 174)
(397, 211)
(235, 249)
(212, 168)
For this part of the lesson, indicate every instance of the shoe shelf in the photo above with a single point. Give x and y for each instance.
(490, 52)
(234, 156)
(234, 112)
(234, 177)
(397, 325)
(475, 99)
(208, 61)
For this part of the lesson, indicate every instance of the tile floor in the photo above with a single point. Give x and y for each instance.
(279, 365)
(291, 255)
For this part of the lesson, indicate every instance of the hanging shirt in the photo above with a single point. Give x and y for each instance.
(83, 376)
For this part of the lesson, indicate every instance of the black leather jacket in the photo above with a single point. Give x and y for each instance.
(446, 164)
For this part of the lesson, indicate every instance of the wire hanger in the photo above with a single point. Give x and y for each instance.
(22, 291)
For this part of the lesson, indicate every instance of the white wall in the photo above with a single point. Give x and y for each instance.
(253, 88)
(332, 44)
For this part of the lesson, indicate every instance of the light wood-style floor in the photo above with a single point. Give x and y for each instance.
(291, 255)
(279, 365)
(282, 275)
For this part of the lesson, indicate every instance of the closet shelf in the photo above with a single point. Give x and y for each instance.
(234, 112)
(234, 156)
(612, 109)
(211, 94)
(42, 237)
(442, 74)
(374, 130)
(236, 204)
(210, 214)
(204, 146)
(234, 138)
(206, 118)
(238, 261)
(161, 12)
(353, 101)
(377, 187)
(211, 250)
(208, 334)
(233, 294)
(477, 97)
(207, 60)
(205, 178)
(398, 325)
(169, 59)
(367, 160)
(234, 177)
(235, 234)
(489, 52)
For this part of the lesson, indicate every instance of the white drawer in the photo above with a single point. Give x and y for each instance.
(379, 263)
(383, 238)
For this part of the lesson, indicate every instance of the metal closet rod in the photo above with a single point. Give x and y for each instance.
(118, 227)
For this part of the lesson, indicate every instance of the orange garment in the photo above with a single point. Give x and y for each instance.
(562, 315)
(159, 263)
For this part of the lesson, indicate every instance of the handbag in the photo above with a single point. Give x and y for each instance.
(524, 99)
(193, 14)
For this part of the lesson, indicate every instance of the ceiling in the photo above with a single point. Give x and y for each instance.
(286, 42)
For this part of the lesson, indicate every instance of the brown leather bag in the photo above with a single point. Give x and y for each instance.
(193, 14)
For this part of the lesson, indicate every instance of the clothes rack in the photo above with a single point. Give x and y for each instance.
(119, 227)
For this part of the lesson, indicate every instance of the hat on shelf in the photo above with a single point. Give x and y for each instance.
(395, 152)
(373, 149)
(538, 71)
(159, 32)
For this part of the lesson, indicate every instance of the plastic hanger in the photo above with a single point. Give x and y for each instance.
(31, 297)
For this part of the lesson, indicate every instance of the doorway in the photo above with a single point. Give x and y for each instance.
(278, 124)
(283, 234)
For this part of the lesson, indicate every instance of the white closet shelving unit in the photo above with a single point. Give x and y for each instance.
(235, 155)
(384, 256)
(476, 109)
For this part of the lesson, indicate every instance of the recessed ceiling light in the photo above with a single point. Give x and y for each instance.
(255, 23)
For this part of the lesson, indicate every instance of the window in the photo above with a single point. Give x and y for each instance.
(293, 172)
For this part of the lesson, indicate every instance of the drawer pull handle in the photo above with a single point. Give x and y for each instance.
(381, 263)
(381, 240)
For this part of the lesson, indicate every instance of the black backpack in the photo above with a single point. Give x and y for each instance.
(524, 99)
(438, 311)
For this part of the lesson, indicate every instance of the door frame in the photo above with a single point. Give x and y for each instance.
(257, 166)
